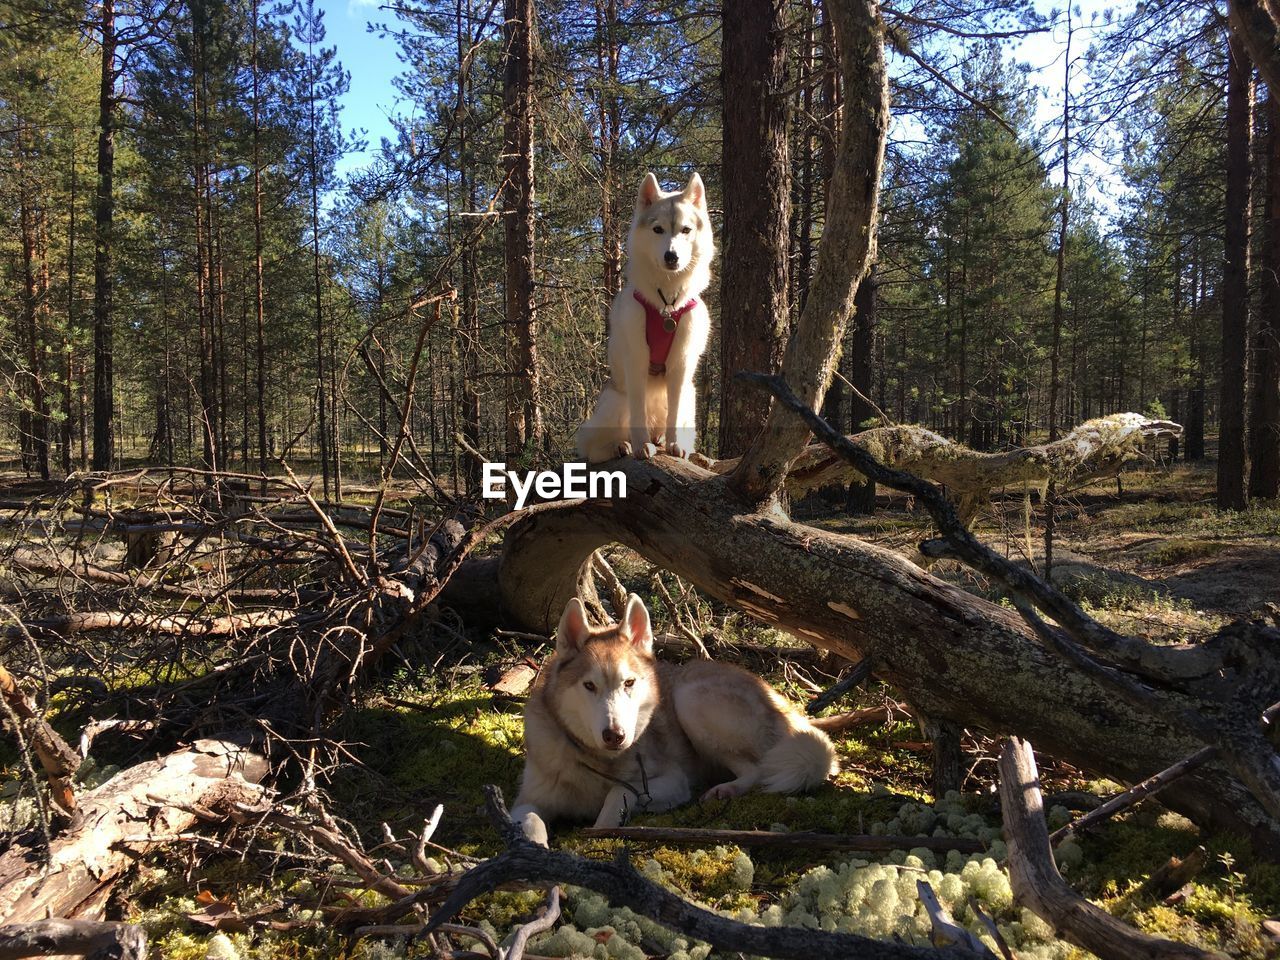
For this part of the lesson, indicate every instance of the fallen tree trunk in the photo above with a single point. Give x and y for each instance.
(127, 816)
(182, 624)
(1092, 451)
(98, 941)
(955, 656)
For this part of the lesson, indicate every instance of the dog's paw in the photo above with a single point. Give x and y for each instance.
(639, 439)
(675, 450)
(534, 828)
(646, 451)
(725, 791)
(624, 449)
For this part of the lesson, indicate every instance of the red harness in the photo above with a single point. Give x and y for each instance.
(659, 333)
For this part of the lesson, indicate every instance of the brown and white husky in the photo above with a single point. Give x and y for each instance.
(610, 730)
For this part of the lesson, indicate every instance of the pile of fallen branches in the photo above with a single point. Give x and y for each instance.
(172, 604)
(208, 581)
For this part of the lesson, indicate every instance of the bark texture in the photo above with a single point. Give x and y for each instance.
(98, 941)
(862, 493)
(757, 210)
(1235, 278)
(104, 248)
(1264, 419)
(524, 418)
(846, 251)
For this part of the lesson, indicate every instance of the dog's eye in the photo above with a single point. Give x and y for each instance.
(629, 683)
(657, 229)
(589, 685)
(687, 230)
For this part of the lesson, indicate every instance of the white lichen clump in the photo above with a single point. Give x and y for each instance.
(860, 896)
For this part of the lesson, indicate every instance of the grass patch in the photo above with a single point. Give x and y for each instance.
(1183, 549)
(1200, 519)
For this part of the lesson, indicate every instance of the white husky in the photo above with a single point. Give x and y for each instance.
(609, 729)
(658, 327)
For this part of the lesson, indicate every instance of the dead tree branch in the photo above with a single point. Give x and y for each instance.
(1226, 715)
(59, 761)
(1134, 795)
(623, 886)
(1038, 885)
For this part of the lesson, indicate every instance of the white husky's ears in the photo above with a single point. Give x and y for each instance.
(573, 630)
(695, 192)
(650, 193)
(635, 624)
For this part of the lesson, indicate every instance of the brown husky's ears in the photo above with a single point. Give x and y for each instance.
(573, 630)
(650, 193)
(695, 192)
(635, 624)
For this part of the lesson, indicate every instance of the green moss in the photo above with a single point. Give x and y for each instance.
(416, 758)
(1181, 549)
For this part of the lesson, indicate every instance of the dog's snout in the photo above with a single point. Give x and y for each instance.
(612, 737)
(671, 257)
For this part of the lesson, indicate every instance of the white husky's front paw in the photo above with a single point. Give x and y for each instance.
(534, 828)
(640, 445)
(676, 450)
(725, 791)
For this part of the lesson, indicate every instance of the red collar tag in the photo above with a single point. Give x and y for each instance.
(659, 333)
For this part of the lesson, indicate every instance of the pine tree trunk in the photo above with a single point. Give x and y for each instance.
(104, 249)
(68, 357)
(862, 494)
(203, 251)
(469, 360)
(1235, 279)
(804, 187)
(1264, 422)
(1195, 394)
(37, 416)
(313, 160)
(1059, 287)
(260, 368)
(36, 439)
(524, 415)
(757, 212)
(608, 52)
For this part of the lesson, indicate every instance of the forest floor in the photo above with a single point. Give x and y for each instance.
(1154, 558)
